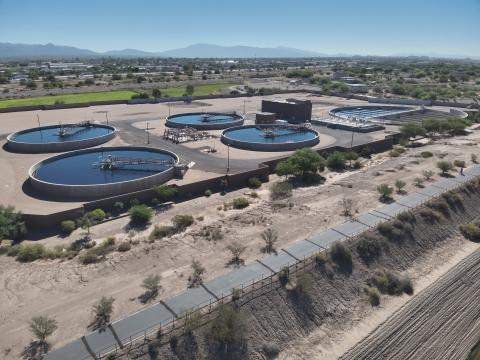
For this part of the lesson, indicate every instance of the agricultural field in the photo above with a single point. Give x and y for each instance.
(199, 90)
(68, 99)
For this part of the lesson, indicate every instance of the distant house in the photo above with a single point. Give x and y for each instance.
(338, 75)
(348, 79)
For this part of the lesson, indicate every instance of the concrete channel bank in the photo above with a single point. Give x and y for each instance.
(145, 322)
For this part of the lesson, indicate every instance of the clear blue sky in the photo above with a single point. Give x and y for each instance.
(380, 27)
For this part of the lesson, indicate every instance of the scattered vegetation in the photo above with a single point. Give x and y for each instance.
(445, 166)
(369, 248)
(68, 226)
(140, 214)
(102, 312)
(254, 183)
(195, 279)
(280, 190)
(342, 256)
(240, 203)
(12, 225)
(385, 192)
(237, 250)
(270, 237)
(165, 192)
(390, 283)
(470, 231)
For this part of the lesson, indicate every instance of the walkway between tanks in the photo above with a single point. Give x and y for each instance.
(137, 325)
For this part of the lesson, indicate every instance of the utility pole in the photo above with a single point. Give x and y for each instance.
(169, 109)
(228, 159)
(106, 116)
(148, 134)
(244, 101)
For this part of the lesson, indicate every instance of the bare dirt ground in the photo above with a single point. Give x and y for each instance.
(442, 322)
(325, 345)
(66, 290)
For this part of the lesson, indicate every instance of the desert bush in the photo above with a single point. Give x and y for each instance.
(151, 284)
(181, 222)
(373, 295)
(208, 193)
(88, 257)
(42, 327)
(161, 231)
(357, 164)
(307, 162)
(406, 216)
(97, 215)
(430, 215)
(474, 158)
(198, 270)
(470, 231)
(102, 312)
(321, 259)
(271, 350)
(280, 190)
(400, 184)
(284, 275)
(237, 250)
(228, 328)
(418, 181)
(444, 166)
(119, 207)
(427, 174)
(369, 248)
(300, 283)
(68, 226)
(453, 198)
(385, 191)
(388, 282)
(12, 225)
(270, 237)
(341, 256)
(140, 214)
(459, 163)
(336, 161)
(426, 154)
(240, 203)
(124, 246)
(347, 206)
(165, 192)
(254, 183)
(441, 206)
(394, 153)
(31, 252)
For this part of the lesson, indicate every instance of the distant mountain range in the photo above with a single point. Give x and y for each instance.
(51, 51)
(14, 51)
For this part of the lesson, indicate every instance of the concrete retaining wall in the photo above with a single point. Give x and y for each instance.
(23, 147)
(99, 190)
(255, 146)
(238, 121)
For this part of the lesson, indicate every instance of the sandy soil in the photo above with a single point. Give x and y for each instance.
(66, 290)
(448, 330)
(322, 344)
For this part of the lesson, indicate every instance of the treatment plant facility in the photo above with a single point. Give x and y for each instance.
(58, 164)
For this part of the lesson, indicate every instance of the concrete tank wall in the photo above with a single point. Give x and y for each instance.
(238, 121)
(96, 191)
(255, 146)
(23, 147)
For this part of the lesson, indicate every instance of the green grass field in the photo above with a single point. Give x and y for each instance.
(69, 99)
(199, 90)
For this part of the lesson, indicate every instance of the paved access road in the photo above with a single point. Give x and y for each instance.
(441, 322)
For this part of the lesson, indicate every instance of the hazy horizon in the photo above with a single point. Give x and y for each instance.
(371, 27)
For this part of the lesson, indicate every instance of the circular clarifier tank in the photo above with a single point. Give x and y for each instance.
(102, 172)
(368, 112)
(270, 137)
(205, 121)
(58, 138)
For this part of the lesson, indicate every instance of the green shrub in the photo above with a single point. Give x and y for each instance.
(140, 214)
(390, 283)
(227, 329)
(341, 255)
(284, 275)
(427, 174)
(12, 225)
(31, 252)
(240, 203)
(394, 153)
(208, 193)
(68, 226)
(162, 231)
(254, 183)
(418, 181)
(280, 190)
(165, 192)
(369, 248)
(96, 215)
(444, 166)
(430, 215)
(124, 246)
(385, 191)
(453, 198)
(373, 295)
(336, 161)
(357, 164)
(426, 154)
(470, 232)
(13, 250)
(441, 206)
(400, 184)
(406, 216)
(89, 257)
(181, 222)
(321, 259)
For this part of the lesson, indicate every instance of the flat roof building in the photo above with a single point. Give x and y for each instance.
(295, 111)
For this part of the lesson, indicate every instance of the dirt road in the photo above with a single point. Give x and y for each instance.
(441, 322)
